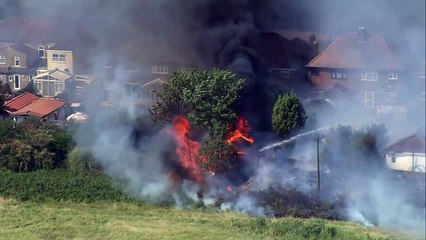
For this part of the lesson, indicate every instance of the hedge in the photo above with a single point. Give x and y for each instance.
(59, 185)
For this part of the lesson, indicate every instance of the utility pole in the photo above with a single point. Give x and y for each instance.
(318, 163)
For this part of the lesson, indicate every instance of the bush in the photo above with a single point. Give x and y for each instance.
(58, 185)
(79, 161)
(32, 145)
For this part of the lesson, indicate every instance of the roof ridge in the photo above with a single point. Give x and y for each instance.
(322, 52)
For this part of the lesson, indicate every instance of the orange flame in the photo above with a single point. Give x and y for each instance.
(187, 150)
(241, 132)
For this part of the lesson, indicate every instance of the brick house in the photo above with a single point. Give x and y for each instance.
(360, 65)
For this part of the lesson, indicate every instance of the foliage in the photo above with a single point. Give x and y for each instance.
(219, 155)
(58, 185)
(32, 145)
(80, 161)
(206, 98)
(288, 114)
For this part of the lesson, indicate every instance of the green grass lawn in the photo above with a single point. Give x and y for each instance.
(68, 220)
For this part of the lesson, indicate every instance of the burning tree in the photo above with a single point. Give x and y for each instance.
(206, 98)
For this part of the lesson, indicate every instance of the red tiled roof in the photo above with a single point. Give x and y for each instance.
(412, 144)
(348, 53)
(39, 108)
(19, 102)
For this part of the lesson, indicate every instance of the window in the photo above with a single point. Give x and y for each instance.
(17, 82)
(393, 76)
(2, 60)
(393, 158)
(31, 77)
(10, 78)
(160, 69)
(369, 99)
(285, 74)
(17, 62)
(338, 74)
(39, 86)
(41, 51)
(59, 87)
(58, 57)
(391, 96)
(314, 72)
(368, 76)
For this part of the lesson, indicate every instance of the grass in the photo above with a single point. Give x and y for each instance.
(120, 220)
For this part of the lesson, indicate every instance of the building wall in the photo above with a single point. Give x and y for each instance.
(383, 89)
(406, 162)
(66, 65)
(23, 81)
(10, 54)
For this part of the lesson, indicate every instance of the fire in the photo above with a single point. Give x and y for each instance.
(187, 150)
(241, 132)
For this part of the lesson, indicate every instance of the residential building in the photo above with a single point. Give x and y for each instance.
(407, 154)
(58, 58)
(18, 64)
(284, 54)
(363, 65)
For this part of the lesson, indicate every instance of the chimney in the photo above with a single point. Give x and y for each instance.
(362, 34)
(314, 45)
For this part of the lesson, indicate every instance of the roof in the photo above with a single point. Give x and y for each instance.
(57, 74)
(324, 40)
(22, 29)
(279, 52)
(347, 52)
(40, 108)
(19, 102)
(412, 144)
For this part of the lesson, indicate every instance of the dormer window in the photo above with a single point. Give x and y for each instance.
(160, 69)
(41, 51)
(368, 76)
(17, 62)
(393, 76)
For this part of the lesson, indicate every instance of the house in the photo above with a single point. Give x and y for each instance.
(27, 104)
(407, 154)
(362, 64)
(284, 54)
(18, 64)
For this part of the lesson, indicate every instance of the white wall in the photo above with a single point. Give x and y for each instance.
(404, 161)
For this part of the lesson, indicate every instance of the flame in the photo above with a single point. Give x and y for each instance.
(241, 132)
(187, 150)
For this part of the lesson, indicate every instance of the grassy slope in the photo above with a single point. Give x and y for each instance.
(131, 221)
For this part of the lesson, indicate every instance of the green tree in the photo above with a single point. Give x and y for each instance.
(288, 114)
(206, 98)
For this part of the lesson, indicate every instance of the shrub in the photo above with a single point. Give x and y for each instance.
(79, 161)
(59, 185)
(32, 145)
(288, 114)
